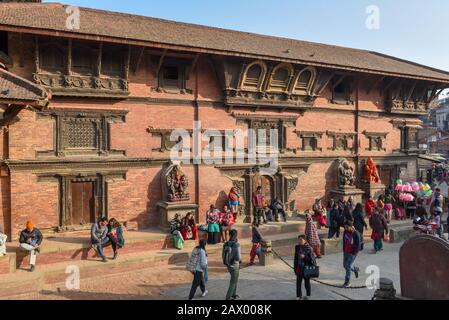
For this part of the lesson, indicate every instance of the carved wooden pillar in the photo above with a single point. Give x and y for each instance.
(36, 54)
(69, 58)
(128, 61)
(99, 59)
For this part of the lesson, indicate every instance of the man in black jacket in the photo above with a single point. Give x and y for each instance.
(30, 240)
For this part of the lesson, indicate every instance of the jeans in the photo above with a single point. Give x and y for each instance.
(334, 231)
(100, 246)
(234, 270)
(198, 281)
(299, 286)
(30, 247)
(348, 264)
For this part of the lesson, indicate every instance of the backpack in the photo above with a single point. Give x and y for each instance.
(227, 256)
(193, 261)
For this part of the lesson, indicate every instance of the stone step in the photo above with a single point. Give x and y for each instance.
(78, 248)
(24, 284)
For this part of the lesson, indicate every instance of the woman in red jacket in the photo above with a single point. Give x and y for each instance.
(189, 229)
(369, 207)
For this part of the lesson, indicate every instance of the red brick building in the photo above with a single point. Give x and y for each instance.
(120, 83)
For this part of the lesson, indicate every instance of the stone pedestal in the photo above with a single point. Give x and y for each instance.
(266, 257)
(348, 192)
(373, 190)
(168, 210)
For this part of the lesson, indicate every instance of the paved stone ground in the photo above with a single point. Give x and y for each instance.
(278, 282)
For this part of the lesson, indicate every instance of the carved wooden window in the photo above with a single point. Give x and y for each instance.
(376, 141)
(112, 62)
(341, 92)
(341, 141)
(253, 76)
(310, 140)
(305, 81)
(83, 60)
(280, 78)
(81, 133)
(52, 59)
(172, 76)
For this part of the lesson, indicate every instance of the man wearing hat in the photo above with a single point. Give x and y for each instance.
(30, 240)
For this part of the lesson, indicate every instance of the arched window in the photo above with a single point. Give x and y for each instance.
(280, 77)
(305, 81)
(51, 59)
(254, 76)
(82, 60)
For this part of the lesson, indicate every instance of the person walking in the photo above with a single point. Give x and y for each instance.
(389, 200)
(379, 225)
(370, 205)
(359, 222)
(232, 259)
(198, 266)
(312, 236)
(30, 240)
(351, 248)
(334, 228)
(256, 247)
(303, 257)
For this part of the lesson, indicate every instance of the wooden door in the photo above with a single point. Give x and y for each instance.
(386, 176)
(83, 203)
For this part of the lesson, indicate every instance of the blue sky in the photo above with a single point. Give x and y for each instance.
(410, 29)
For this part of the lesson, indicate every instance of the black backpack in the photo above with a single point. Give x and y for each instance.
(227, 254)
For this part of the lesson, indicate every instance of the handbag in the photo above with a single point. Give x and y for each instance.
(311, 271)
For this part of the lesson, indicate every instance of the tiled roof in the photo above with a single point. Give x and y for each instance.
(14, 89)
(51, 17)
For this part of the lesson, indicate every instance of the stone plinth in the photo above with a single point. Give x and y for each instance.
(331, 246)
(401, 233)
(348, 192)
(168, 210)
(8, 263)
(373, 190)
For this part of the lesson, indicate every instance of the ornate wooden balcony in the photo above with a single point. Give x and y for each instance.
(407, 107)
(74, 85)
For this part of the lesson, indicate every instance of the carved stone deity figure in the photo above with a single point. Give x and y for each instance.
(177, 183)
(371, 173)
(345, 174)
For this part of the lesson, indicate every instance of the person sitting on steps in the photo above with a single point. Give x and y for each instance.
(99, 237)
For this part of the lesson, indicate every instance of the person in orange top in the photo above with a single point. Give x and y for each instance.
(369, 207)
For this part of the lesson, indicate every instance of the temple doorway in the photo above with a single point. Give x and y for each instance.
(83, 203)
(267, 185)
